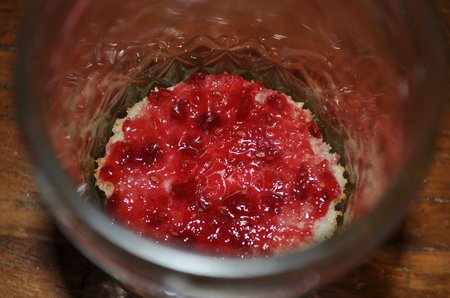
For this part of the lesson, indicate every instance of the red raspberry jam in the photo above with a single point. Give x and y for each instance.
(222, 164)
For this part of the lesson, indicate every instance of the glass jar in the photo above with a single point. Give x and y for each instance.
(373, 73)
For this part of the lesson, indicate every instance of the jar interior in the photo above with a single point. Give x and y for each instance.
(352, 64)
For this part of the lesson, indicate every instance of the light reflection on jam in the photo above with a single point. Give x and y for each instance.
(222, 164)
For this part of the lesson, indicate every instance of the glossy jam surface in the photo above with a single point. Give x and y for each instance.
(222, 164)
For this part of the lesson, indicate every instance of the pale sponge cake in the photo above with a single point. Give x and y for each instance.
(224, 165)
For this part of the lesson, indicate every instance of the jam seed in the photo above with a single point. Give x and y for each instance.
(241, 134)
(218, 94)
(173, 232)
(208, 122)
(260, 154)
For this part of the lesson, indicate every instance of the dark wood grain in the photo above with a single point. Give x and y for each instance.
(37, 261)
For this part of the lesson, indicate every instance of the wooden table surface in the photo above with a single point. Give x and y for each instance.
(37, 261)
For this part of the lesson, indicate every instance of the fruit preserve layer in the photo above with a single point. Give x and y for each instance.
(223, 165)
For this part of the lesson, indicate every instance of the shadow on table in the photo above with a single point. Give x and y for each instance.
(81, 277)
(374, 277)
